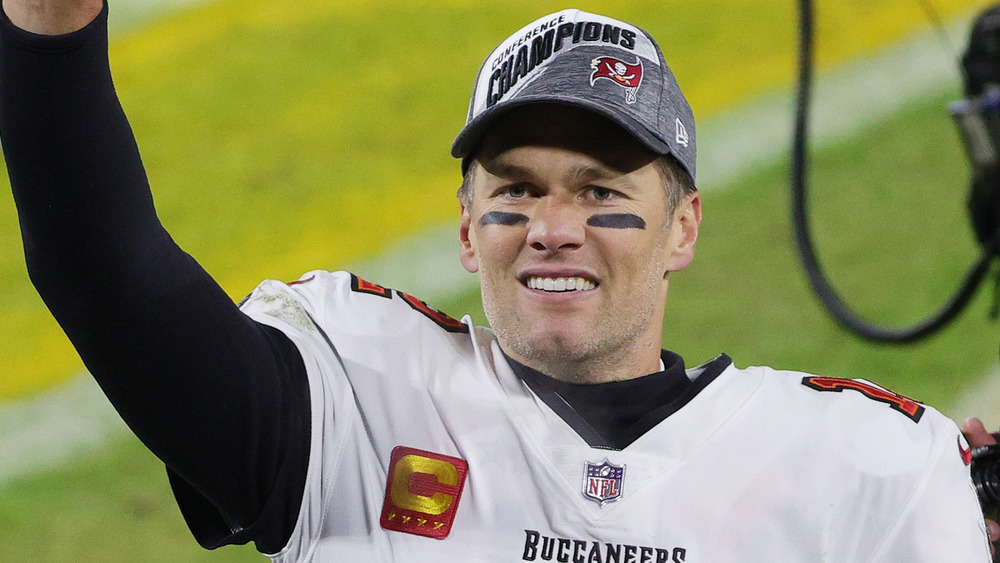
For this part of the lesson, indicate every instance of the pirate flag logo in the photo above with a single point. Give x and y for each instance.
(626, 75)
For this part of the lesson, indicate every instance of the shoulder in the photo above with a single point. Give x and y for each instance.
(834, 394)
(364, 305)
(881, 461)
(358, 335)
(860, 418)
(857, 397)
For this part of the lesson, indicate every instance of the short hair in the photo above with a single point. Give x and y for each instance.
(677, 182)
(465, 190)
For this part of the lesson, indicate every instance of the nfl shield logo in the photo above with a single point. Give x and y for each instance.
(602, 481)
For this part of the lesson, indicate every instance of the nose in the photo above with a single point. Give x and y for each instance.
(556, 225)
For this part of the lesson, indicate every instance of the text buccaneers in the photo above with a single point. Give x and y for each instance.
(565, 550)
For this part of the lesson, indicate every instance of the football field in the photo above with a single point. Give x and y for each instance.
(286, 136)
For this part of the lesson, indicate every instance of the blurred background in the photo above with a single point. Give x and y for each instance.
(283, 136)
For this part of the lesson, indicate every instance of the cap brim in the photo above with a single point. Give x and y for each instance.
(468, 139)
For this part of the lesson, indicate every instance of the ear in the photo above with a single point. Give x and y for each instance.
(686, 221)
(467, 242)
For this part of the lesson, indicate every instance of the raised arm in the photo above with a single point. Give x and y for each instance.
(222, 400)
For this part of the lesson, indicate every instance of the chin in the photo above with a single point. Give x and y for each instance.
(549, 349)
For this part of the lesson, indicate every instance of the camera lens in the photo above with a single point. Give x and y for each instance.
(986, 476)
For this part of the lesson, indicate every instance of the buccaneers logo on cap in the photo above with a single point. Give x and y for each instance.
(626, 75)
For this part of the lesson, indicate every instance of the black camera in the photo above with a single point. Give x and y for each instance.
(978, 120)
(986, 477)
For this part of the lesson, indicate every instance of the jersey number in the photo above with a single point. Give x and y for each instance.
(360, 285)
(912, 409)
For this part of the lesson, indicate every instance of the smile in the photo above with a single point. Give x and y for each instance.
(560, 284)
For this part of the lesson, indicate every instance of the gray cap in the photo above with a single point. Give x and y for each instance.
(586, 60)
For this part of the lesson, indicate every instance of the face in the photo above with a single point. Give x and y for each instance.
(569, 229)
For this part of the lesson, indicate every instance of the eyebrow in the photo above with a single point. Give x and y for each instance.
(586, 172)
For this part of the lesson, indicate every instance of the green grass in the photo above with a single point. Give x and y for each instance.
(895, 238)
(285, 136)
(891, 228)
(259, 174)
(111, 505)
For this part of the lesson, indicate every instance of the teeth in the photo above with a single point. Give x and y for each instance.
(560, 284)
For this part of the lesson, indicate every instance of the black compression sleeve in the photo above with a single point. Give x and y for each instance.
(222, 400)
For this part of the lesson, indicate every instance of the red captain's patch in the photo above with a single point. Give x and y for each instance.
(422, 492)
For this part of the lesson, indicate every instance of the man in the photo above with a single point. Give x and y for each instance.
(333, 419)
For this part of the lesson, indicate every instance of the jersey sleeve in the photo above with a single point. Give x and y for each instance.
(372, 355)
(883, 474)
(943, 520)
(294, 314)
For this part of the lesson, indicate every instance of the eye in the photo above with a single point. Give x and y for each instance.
(602, 194)
(515, 191)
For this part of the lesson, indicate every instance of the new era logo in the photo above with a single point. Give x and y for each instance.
(682, 134)
(422, 492)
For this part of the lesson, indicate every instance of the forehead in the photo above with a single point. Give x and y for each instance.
(564, 127)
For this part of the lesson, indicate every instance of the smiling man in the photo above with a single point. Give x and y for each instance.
(569, 222)
(334, 419)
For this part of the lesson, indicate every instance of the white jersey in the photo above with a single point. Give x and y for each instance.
(426, 447)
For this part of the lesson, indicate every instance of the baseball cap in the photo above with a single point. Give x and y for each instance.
(573, 57)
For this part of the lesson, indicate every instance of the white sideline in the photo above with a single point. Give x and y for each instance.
(47, 431)
(44, 432)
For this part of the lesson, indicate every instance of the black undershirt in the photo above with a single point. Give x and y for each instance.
(612, 415)
(221, 399)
